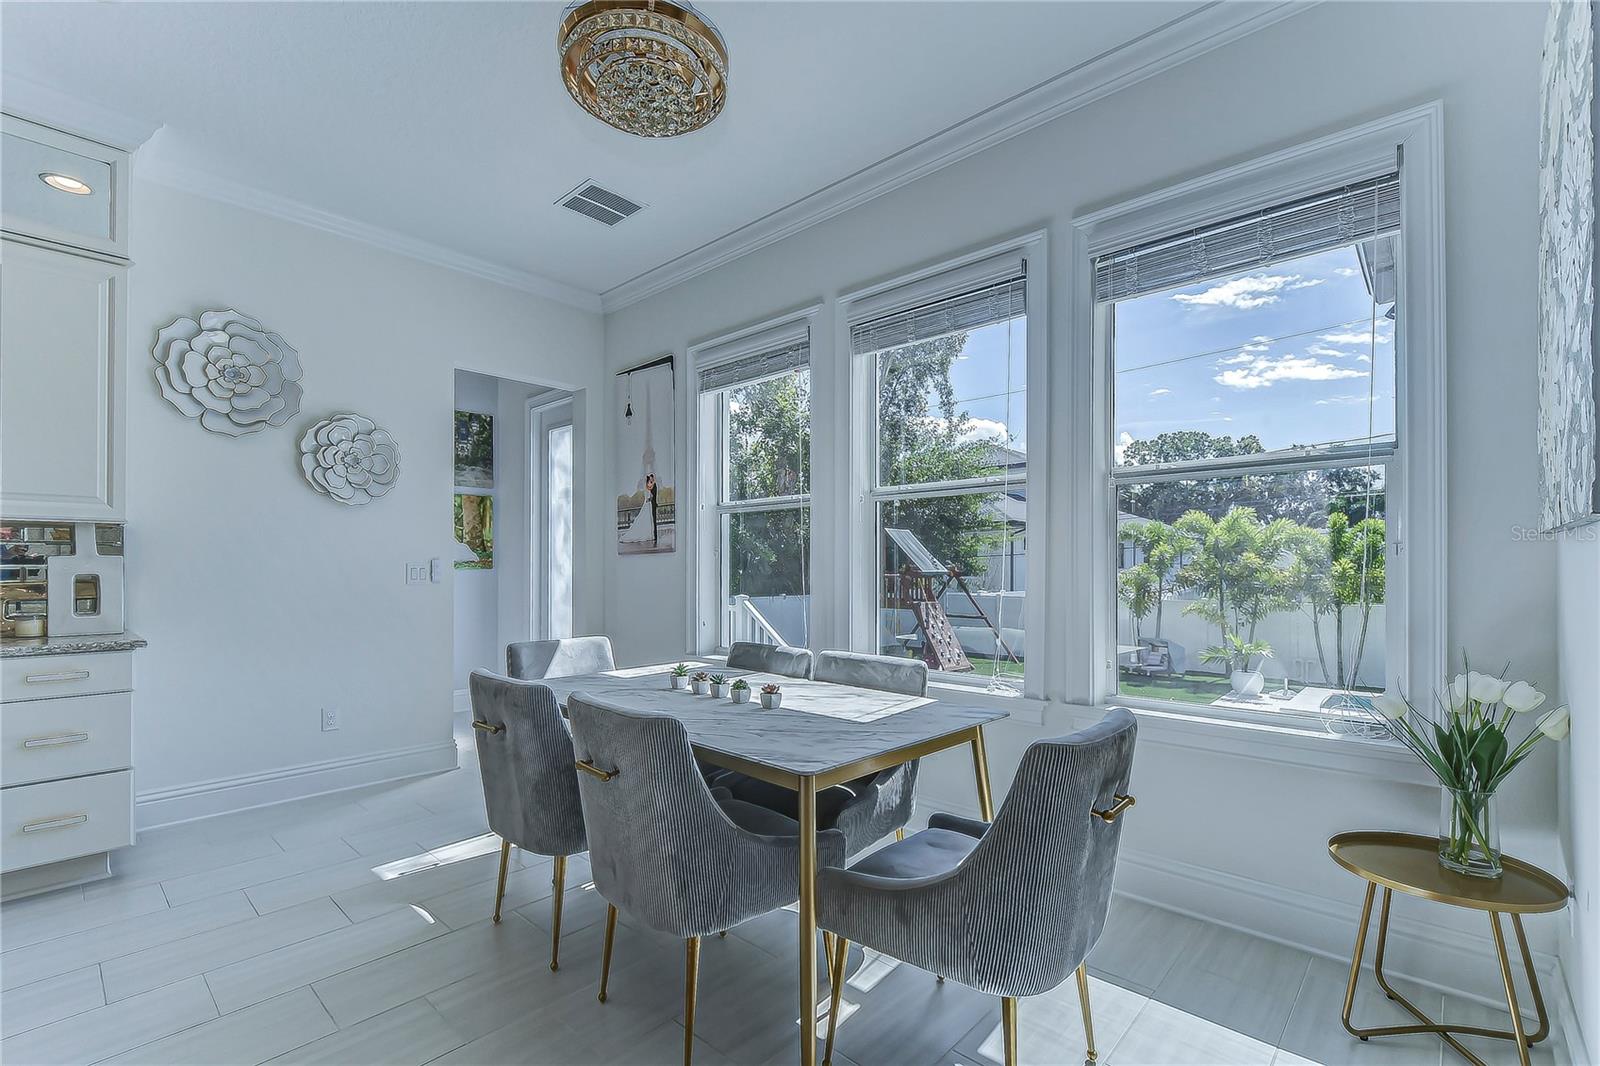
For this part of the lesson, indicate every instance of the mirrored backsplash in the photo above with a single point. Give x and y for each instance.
(25, 550)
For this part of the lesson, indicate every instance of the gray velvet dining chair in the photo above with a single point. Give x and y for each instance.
(667, 851)
(532, 660)
(530, 789)
(777, 659)
(1011, 908)
(869, 808)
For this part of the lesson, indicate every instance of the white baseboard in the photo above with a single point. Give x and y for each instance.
(463, 701)
(1564, 1010)
(224, 795)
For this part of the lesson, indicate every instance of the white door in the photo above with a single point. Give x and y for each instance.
(553, 509)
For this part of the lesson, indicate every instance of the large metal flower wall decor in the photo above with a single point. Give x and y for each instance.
(228, 371)
(349, 459)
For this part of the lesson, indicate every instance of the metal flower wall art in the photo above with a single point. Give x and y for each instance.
(228, 371)
(349, 459)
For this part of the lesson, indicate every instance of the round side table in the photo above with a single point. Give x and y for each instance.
(1405, 862)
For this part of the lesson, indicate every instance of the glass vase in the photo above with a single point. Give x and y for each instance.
(1469, 833)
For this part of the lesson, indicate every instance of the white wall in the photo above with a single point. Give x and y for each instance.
(1247, 835)
(262, 601)
(475, 637)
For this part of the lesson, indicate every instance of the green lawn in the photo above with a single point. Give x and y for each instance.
(1185, 688)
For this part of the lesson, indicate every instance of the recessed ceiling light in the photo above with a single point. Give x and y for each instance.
(66, 183)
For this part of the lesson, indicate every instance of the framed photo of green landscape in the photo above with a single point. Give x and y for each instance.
(474, 526)
(474, 458)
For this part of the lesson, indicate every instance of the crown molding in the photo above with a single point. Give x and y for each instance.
(187, 179)
(39, 103)
(1187, 37)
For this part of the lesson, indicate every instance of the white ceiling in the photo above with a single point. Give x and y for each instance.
(448, 122)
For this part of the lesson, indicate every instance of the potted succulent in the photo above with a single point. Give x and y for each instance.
(701, 683)
(719, 686)
(771, 697)
(679, 678)
(1467, 738)
(740, 691)
(1238, 653)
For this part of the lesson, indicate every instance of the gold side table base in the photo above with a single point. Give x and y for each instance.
(1517, 1033)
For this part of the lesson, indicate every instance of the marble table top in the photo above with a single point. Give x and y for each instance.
(19, 647)
(820, 726)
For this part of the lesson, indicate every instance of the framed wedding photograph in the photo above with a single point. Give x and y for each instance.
(646, 459)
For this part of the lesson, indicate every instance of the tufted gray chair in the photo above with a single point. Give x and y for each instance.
(870, 808)
(531, 660)
(769, 659)
(1011, 907)
(666, 850)
(529, 787)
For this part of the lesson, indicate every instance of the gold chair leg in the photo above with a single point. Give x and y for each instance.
(900, 834)
(555, 912)
(836, 977)
(500, 890)
(691, 979)
(827, 950)
(1008, 1021)
(1083, 1001)
(605, 955)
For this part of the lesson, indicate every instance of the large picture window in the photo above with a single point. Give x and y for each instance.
(1255, 453)
(756, 422)
(949, 481)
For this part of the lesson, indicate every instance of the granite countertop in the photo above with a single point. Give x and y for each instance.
(20, 647)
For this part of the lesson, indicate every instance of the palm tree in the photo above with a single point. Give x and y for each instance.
(1162, 549)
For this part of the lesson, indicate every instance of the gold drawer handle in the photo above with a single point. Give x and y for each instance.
(64, 822)
(55, 679)
(55, 741)
(590, 768)
(486, 727)
(1116, 809)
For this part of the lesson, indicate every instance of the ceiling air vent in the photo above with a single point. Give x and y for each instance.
(602, 205)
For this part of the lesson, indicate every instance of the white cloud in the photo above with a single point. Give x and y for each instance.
(1160, 392)
(1264, 371)
(1246, 293)
(1237, 360)
(984, 429)
(1326, 352)
(1362, 337)
(1123, 440)
(1341, 401)
(1346, 272)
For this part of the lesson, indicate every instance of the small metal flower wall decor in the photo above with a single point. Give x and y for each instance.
(349, 459)
(228, 371)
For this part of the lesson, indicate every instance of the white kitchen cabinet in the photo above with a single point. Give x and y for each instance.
(93, 219)
(62, 380)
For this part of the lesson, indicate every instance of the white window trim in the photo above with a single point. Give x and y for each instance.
(1417, 525)
(857, 583)
(704, 543)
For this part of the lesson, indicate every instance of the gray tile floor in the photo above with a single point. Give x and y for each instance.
(353, 928)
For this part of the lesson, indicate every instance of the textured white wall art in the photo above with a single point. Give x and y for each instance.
(349, 459)
(1566, 268)
(228, 371)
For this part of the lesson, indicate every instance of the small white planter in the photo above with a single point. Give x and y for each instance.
(740, 695)
(771, 701)
(700, 687)
(676, 682)
(718, 691)
(1247, 683)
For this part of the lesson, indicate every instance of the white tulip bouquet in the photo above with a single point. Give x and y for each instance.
(1467, 746)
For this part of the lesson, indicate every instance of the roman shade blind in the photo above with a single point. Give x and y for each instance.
(1329, 219)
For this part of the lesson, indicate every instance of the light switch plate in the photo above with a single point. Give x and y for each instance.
(416, 573)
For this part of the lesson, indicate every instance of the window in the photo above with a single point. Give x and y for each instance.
(1256, 455)
(558, 529)
(755, 419)
(949, 470)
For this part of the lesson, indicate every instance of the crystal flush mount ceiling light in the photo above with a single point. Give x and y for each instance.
(647, 67)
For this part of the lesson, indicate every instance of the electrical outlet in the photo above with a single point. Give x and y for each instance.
(330, 719)
(416, 573)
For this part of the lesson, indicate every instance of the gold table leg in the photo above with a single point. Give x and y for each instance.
(1445, 1032)
(808, 920)
(980, 768)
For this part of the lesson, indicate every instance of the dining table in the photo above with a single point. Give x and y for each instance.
(822, 734)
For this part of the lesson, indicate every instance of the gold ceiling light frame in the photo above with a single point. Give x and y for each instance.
(652, 68)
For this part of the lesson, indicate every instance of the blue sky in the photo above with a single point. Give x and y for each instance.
(1286, 352)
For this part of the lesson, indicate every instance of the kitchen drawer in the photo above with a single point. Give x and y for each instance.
(37, 677)
(41, 740)
(57, 820)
